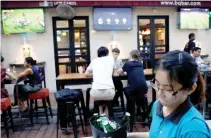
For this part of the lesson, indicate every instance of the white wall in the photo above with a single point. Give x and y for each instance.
(42, 44)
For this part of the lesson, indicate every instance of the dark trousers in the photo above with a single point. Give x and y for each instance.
(137, 94)
(118, 88)
(17, 92)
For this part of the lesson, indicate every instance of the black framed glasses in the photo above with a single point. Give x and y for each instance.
(166, 92)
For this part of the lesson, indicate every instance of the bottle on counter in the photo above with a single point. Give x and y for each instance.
(14, 72)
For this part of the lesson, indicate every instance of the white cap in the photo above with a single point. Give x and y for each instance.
(127, 114)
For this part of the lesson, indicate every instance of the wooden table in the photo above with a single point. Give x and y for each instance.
(79, 79)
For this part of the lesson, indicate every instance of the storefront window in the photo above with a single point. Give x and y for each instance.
(62, 38)
(62, 24)
(159, 22)
(144, 22)
(159, 36)
(79, 23)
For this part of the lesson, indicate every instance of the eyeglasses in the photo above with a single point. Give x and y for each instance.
(166, 92)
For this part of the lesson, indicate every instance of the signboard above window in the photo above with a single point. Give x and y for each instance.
(106, 19)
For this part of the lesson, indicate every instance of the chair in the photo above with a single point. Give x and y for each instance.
(43, 95)
(6, 110)
(208, 91)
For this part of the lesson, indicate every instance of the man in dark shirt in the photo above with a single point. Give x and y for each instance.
(137, 86)
(190, 45)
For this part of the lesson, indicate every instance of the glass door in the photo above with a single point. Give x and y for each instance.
(71, 44)
(81, 44)
(152, 38)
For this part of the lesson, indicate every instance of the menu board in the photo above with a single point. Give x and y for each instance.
(112, 19)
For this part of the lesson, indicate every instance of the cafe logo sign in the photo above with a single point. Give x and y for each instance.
(72, 3)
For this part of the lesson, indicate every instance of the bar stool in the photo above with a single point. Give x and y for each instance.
(144, 114)
(43, 95)
(70, 106)
(88, 101)
(6, 109)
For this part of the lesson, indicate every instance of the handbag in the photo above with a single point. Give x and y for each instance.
(30, 88)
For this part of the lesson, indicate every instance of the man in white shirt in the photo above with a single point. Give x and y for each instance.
(101, 69)
(196, 55)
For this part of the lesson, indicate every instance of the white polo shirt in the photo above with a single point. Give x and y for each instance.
(198, 60)
(102, 70)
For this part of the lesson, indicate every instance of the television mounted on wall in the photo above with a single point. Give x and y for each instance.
(23, 20)
(194, 18)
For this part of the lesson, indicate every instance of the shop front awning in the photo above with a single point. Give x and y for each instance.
(89, 3)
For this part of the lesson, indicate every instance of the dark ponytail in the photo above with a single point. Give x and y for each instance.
(183, 68)
(31, 61)
(198, 95)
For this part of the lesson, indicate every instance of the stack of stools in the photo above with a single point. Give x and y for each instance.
(6, 111)
(70, 106)
(43, 95)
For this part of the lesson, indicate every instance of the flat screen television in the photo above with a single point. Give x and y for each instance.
(23, 20)
(112, 19)
(194, 18)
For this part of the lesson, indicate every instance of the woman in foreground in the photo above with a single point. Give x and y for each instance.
(179, 86)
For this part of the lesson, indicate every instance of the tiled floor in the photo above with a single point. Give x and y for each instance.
(42, 130)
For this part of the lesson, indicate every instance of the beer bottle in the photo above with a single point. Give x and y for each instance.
(99, 125)
(94, 120)
(95, 116)
(107, 127)
(113, 124)
(125, 119)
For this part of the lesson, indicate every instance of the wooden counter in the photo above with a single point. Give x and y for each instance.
(77, 76)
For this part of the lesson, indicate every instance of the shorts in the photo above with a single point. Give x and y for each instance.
(102, 94)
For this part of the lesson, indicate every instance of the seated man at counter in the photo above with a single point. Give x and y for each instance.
(101, 69)
(117, 82)
(197, 55)
(137, 86)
